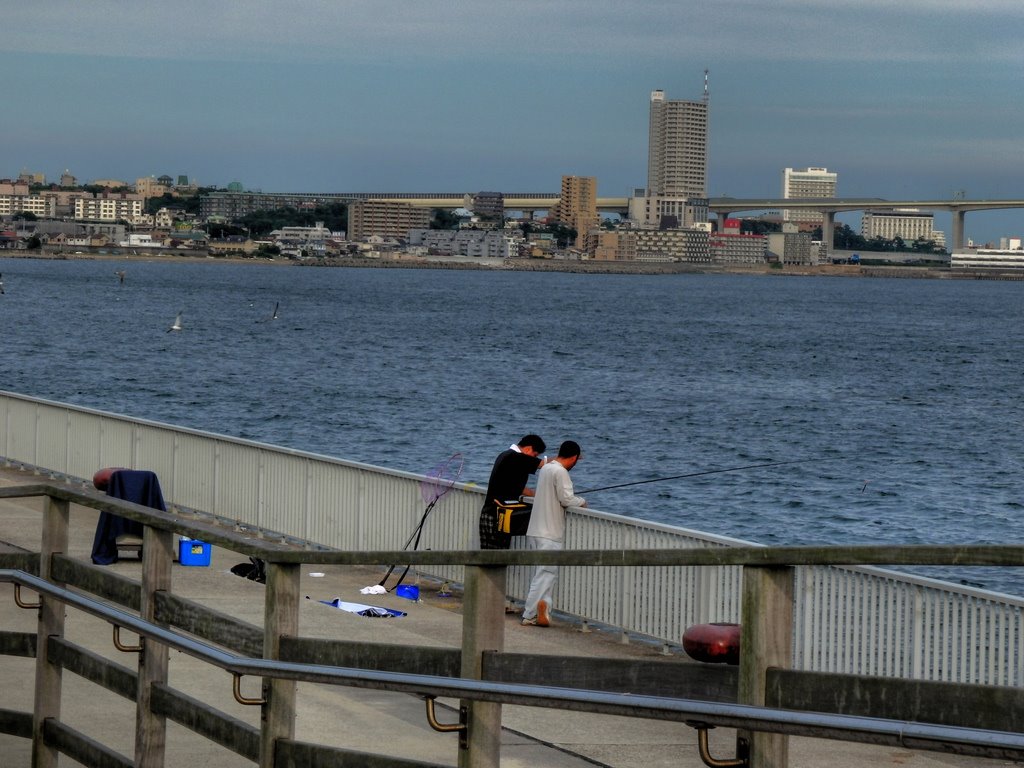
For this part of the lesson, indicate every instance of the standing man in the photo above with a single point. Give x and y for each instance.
(547, 528)
(511, 471)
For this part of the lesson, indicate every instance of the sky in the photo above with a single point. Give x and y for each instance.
(915, 99)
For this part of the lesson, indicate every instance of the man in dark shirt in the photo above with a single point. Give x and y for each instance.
(511, 471)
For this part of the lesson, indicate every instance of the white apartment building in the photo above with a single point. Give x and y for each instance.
(677, 152)
(108, 207)
(738, 248)
(491, 243)
(15, 198)
(804, 184)
(909, 224)
(690, 245)
(650, 211)
(988, 258)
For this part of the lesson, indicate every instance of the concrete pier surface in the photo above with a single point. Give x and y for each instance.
(367, 720)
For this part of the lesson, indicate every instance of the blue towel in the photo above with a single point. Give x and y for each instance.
(138, 486)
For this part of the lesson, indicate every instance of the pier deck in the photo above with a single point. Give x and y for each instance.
(367, 720)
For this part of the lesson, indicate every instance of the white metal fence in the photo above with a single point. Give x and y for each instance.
(857, 620)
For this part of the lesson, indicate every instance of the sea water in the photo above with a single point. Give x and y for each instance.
(897, 401)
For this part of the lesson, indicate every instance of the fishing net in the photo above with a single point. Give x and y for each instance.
(434, 485)
(438, 481)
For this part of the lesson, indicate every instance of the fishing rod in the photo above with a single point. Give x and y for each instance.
(696, 474)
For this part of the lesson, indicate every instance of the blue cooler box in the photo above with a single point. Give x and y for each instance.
(193, 552)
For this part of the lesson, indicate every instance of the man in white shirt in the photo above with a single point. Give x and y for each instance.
(554, 494)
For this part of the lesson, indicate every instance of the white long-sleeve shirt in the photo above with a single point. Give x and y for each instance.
(553, 495)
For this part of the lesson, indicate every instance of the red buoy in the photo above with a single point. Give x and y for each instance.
(717, 643)
(102, 477)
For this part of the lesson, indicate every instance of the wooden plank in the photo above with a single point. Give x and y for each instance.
(677, 678)
(298, 754)
(98, 580)
(989, 707)
(81, 748)
(220, 728)
(18, 644)
(94, 668)
(16, 723)
(416, 659)
(21, 561)
(216, 627)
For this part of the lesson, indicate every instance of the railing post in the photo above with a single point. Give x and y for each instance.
(483, 629)
(766, 641)
(281, 618)
(151, 729)
(51, 624)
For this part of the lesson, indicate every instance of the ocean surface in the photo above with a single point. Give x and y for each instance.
(898, 403)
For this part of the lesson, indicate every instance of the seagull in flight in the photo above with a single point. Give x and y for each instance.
(276, 305)
(176, 326)
(120, 274)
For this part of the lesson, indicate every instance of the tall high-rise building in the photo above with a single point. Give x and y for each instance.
(677, 153)
(804, 184)
(577, 205)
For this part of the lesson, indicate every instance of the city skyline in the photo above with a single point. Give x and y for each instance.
(913, 101)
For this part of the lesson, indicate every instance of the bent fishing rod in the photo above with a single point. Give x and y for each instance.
(697, 474)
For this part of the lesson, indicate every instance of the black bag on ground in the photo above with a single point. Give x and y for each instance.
(255, 570)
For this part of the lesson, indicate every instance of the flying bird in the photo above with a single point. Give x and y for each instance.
(120, 274)
(276, 305)
(176, 326)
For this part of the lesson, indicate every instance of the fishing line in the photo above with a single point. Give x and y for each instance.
(697, 474)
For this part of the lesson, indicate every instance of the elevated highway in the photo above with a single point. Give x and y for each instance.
(235, 203)
(725, 206)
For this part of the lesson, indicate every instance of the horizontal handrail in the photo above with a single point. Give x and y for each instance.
(911, 554)
(697, 714)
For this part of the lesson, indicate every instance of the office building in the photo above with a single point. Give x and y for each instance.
(677, 152)
(806, 184)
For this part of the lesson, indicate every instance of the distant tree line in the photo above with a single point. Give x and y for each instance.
(846, 239)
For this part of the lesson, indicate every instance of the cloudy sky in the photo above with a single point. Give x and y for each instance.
(919, 98)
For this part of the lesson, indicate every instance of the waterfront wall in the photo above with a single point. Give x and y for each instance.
(857, 620)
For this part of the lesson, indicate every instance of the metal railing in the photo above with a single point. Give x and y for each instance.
(768, 587)
(861, 620)
(700, 715)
